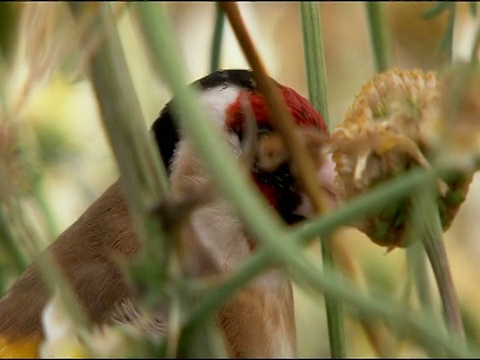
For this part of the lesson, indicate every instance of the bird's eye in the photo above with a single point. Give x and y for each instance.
(271, 152)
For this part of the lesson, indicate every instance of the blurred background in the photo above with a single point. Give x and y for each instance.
(55, 159)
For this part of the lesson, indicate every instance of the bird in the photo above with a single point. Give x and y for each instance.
(259, 320)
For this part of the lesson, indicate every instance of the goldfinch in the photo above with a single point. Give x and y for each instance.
(259, 320)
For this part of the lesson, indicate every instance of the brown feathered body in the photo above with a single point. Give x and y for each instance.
(86, 252)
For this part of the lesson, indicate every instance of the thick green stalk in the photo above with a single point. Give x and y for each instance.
(153, 24)
(217, 38)
(378, 35)
(334, 309)
(446, 43)
(317, 92)
(144, 179)
(143, 176)
(425, 208)
(417, 260)
(448, 40)
(40, 198)
(417, 263)
(314, 57)
(9, 246)
(437, 255)
(418, 271)
(258, 216)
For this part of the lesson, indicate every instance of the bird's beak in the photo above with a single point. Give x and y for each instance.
(326, 177)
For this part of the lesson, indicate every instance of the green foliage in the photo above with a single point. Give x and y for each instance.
(379, 35)
(439, 9)
(217, 39)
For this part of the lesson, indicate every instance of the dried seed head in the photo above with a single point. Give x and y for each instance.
(387, 131)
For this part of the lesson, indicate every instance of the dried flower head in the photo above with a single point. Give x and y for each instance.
(393, 126)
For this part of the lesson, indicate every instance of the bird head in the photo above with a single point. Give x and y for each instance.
(223, 96)
(271, 169)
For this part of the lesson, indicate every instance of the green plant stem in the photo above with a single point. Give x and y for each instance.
(437, 255)
(451, 30)
(217, 38)
(317, 90)
(153, 24)
(378, 35)
(315, 57)
(9, 246)
(257, 214)
(425, 207)
(417, 266)
(417, 263)
(57, 281)
(142, 175)
(438, 9)
(334, 310)
(38, 194)
(475, 47)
